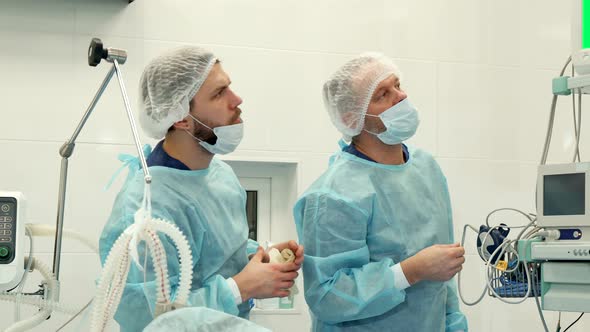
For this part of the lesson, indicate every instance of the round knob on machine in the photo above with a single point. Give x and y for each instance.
(4, 252)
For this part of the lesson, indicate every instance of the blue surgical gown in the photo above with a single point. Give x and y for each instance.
(208, 206)
(359, 219)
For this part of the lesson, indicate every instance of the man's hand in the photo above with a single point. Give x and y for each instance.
(439, 262)
(295, 248)
(264, 280)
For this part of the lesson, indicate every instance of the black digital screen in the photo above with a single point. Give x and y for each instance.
(564, 194)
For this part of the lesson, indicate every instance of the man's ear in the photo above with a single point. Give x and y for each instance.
(352, 119)
(183, 124)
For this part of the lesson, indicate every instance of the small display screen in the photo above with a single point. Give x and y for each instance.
(564, 194)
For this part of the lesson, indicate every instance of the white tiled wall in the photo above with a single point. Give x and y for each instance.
(479, 71)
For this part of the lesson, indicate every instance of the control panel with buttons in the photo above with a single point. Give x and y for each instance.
(11, 239)
(560, 251)
(8, 206)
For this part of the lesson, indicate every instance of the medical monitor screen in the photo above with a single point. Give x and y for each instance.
(564, 194)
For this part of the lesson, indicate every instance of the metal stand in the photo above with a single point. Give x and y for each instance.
(96, 52)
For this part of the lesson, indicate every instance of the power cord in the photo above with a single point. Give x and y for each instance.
(572, 324)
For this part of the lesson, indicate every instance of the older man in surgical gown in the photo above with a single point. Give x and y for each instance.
(377, 224)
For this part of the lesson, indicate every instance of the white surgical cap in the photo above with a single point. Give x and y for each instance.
(348, 92)
(168, 84)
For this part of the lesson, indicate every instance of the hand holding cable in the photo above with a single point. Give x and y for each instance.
(439, 262)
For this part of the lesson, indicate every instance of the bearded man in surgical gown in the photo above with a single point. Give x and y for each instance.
(186, 102)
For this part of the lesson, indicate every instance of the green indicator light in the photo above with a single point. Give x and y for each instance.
(4, 252)
(586, 24)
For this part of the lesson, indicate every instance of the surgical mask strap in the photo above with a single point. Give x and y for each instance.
(193, 136)
(370, 132)
(372, 115)
(206, 126)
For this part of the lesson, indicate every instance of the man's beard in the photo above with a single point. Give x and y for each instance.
(204, 133)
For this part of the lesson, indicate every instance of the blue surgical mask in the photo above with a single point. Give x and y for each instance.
(228, 137)
(400, 121)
